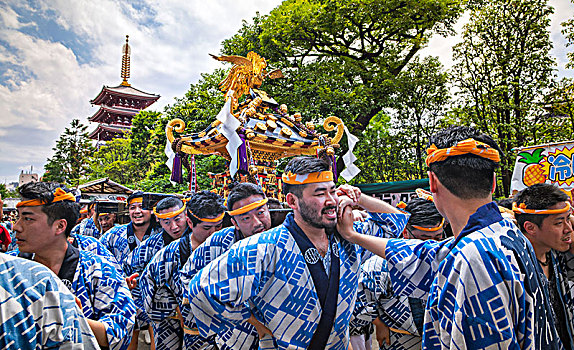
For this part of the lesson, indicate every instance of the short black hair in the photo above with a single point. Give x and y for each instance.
(135, 194)
(204, 204)
(423, 213)
(538, 196)
(467, 176)
(169, 202)
(505, 203)
(241, 191)
(67, 210)
(302, 166)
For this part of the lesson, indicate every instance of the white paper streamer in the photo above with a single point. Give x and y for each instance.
(351, 170)
(170, 155)
(229, 125)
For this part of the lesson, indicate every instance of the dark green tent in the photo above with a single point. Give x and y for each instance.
(394, 187)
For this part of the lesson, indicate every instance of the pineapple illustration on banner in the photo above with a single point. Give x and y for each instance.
(533, 171)
(552, 163)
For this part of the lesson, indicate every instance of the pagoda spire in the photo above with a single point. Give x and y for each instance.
(126, 50)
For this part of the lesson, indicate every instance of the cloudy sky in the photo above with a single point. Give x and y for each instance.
(55, 56)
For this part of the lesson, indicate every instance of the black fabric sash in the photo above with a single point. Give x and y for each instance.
(184, 247)
(68, 267)
(132, 239)
(327, 288)
(167, 239)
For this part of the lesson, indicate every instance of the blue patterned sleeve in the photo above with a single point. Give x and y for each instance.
(115, 307)
(38, 310)
(384, 225)
(201, 256)
(220, 291)
(374, 284)
(158, 300)
(411, 264)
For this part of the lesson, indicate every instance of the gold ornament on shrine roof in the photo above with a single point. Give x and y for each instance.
(271, 132)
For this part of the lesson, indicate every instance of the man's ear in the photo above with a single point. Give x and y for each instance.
(530, 228)
(433, 181)
(493, 183)
(189, 222)
(234, 222)
(292, 201)
(60, 226)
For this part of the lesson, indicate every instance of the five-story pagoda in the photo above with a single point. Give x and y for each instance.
(119, 104)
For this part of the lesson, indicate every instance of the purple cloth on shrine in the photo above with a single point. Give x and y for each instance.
(242, 155)
(176, 173)
(335, 175)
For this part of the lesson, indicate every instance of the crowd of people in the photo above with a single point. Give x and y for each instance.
(450, 269)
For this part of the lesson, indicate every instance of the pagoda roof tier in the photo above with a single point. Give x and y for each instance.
(109, 115)
(113, 96)
(106, 132)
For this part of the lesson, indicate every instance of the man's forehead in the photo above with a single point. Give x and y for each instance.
(169, 210)
(36, 210)
(320, 186)
(246, 201)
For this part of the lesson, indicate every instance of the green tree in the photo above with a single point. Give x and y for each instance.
(501, 68)
(70, 162)
(115, 161)
(568, 31)
(4, 193)
(143, 125)
(383, 156)
(421, 99)
(341, 57)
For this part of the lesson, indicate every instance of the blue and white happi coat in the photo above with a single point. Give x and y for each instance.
(93, 245)
(38, 311)
(484, 288)
(136, 262)
(268, 272)
(105, 297)
(87, 227)
(103, 292)
(243, 335)
(375, 299)
(162, 293)
(119, 240)
(563, 269)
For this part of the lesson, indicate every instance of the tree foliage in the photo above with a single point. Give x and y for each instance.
(502, 67)
(115, 161)
(344, 55)
(70, 163)
(568, 31)
(420, 102)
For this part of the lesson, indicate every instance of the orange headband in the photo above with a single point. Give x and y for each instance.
(220, 217)
(297, 179)
(424, 194)
(84, 211)
(248, 207)
(463, 147)
(168, 215)
(59, 195)
(521, 209)
(136, 200)
(401, 205)
(429, 229)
